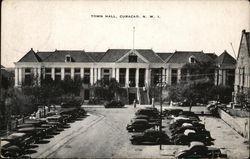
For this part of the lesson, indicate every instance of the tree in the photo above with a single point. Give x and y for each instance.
(106, 89)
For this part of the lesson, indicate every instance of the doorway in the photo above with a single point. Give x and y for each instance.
(131, 97)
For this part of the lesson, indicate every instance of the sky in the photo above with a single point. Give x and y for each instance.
(74, 25)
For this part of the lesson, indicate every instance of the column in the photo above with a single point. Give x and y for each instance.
(35, 72)
(53, 73)
(224, 77)
(72, 71)
(149, 76)
(16, 77)
(178, 75)
(99, 74)
(95, 75)
(163, 75)
(91, 76)
(166, 73)
(39, 76)
(127, 77)
(62, 74)
(20, 76)
(216, 78)
(35, 76)
(146, 77)
(220, 77)
(169, 76)
(117, 74)
(82, 73)
(137, 77)
(113, 72)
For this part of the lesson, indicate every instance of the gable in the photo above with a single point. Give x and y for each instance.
(30, 57)
(243, 49)
(184, 56)
(126, 59)
(225, 58)
(140, 58)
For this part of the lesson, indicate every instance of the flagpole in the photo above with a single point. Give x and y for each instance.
(133, 38)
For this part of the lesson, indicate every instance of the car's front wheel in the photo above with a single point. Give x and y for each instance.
(134, 142)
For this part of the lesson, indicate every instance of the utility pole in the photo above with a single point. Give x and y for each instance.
(233, 51)
(161, 111)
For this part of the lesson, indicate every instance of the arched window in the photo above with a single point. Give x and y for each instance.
(67, 58)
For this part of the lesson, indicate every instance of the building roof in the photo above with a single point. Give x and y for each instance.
(150, 55)
(164, 55)
(183, 57)
(225, 58)
(43, 55)
(212, 55)
(247, 34)
(96, 56)
(112, 55)
(31, 56)
(76, 56)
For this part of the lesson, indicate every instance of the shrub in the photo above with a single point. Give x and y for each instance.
(114, 104)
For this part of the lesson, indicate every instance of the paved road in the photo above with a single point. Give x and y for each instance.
(103, 134)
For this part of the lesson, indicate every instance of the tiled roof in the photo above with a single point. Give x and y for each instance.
(30, 57)
(150, 55)
(164, 55)
(183, 57)
(96, 56)
(212, 55)
(43, 55)
(113, 55)
(76, 56)
(225, 58)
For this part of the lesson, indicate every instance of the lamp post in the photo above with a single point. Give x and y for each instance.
(161, 110)
(43, 100)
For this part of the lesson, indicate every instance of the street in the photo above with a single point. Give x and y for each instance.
(103, 134)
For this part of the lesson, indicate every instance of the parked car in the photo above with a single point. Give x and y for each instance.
(139, 125)
(150, 136)
(56, 118)
(34, 132)
(149, 112)
(22, 140)
(9, 150)
(199, 150)
(113, 104)
(172, 112)
(71, 104)
(149, 119)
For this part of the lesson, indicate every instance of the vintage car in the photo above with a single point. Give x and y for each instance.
(171, 112)
(8, 150)
(190, 136)
(22, 140)
(113, 104)
(151, 112)
(56, 118)
(150, 136)
(139, 125)
(35, 132)
(199, 150)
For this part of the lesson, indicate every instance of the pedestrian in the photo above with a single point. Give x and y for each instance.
(134, 103)
(153, 102)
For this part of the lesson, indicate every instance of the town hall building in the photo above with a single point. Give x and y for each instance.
(134, 69)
